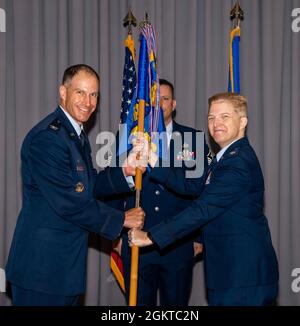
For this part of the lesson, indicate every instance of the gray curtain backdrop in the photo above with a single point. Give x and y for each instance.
(43, 37)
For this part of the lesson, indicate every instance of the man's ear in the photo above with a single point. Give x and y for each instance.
(244, 122)
(63, 92)
(174, 105)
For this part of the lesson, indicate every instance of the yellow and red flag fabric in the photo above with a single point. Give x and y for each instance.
(116, 266)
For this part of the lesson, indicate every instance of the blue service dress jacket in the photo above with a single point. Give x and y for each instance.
(49, 248)
(238, 250)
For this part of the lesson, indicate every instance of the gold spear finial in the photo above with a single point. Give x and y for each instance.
(237, 14)
(129, 21)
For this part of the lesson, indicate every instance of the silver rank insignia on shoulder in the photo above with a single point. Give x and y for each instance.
(55, 125)
(185, 154)
(79, 187)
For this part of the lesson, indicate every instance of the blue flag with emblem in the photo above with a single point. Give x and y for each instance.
(234, 61)
(148, 90)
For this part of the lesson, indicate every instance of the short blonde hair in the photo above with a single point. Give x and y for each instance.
(239, 102)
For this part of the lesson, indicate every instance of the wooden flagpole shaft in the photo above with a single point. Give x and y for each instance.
(138, 187)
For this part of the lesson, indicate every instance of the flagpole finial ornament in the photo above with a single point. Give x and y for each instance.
(129, 21)
(145, 21)
(237, 14)
(147, 18)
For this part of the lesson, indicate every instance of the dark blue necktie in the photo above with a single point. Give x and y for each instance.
(214, 160)
(82, 137)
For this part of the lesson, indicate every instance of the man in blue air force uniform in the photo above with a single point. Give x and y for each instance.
(47, 259)
(240, 263)
(168, 271)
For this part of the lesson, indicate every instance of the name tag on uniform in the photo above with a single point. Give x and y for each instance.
(80, 166)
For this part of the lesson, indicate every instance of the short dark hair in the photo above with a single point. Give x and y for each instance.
(74, 70)
(167, 83)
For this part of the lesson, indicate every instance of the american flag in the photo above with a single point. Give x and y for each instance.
(128, 96)
(126, 117)
(129, 85)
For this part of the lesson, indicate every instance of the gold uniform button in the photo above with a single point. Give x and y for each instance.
(79, 187)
